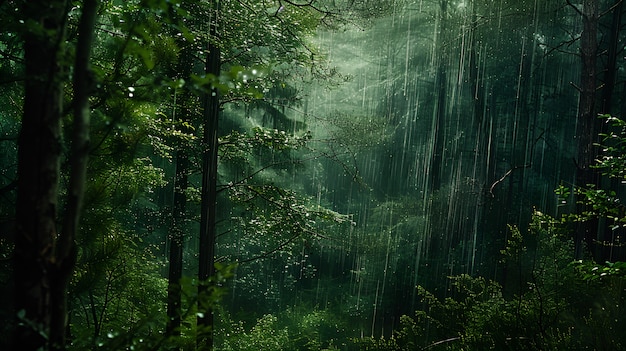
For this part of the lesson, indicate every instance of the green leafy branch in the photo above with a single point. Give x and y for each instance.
(590, 270)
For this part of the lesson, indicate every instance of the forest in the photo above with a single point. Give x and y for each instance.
(312, 175)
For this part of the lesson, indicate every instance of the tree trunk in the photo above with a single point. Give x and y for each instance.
(605, 234)
(43, 257)
(39, 150)
(209, 189)
(586, 120)
(181, 113)
(610, 72)
(441, 81)
(176, 239)
(65, 248)
(587, 123)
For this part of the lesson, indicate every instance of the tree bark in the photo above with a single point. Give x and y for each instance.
(181, 113)
(441, 81)
(587, 119)
(65, 248)
(610, 72)
(39, 150)
(587, 123)
(43, 257)
(176, 239)
(184, 103)
(206, 268)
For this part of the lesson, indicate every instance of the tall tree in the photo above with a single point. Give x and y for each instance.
(588, 125)
(65, 249)
(210, 143)
(586, 119)
(44, 254)
(178, 229)
(441, 83)
(612, 53)
(183, 102)
(38, 172)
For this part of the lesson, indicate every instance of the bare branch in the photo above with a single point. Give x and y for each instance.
(441, 342)
(610, 9)
(508, 173)
(527, 165)
(569, 2)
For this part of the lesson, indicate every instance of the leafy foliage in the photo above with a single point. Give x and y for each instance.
(297, 330)
(612, 161)
(545, 311)
(602, 204)
(263, 336)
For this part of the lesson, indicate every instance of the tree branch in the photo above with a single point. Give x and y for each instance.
(569, 2)
(272, 251)
(611, 8)
(527, 165)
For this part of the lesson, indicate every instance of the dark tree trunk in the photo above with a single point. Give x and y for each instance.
(65, 248)
(209, 189)
(605, 234)
(44, 258)
(39, 151)
(586, 119)
(482, 121)
(176, 239)
(588, 125)
(441, 81)
(474, 72)
(611, 65)
(181, 113)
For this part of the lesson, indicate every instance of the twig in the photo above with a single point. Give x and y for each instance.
(575, 86)
(575, 8)
(527, 165)
(508, 173)
(441, 342)
(611, 8)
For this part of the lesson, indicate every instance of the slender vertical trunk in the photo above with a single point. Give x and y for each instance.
(183, 102)
(176, 239)
(604, 233)
(587, 122)
(611, 64)
(484, 171)
(209, 188)
(65, 248)
(474, 70)
(181, 112)
(441, 81)
(480, 108)
(586, 119)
